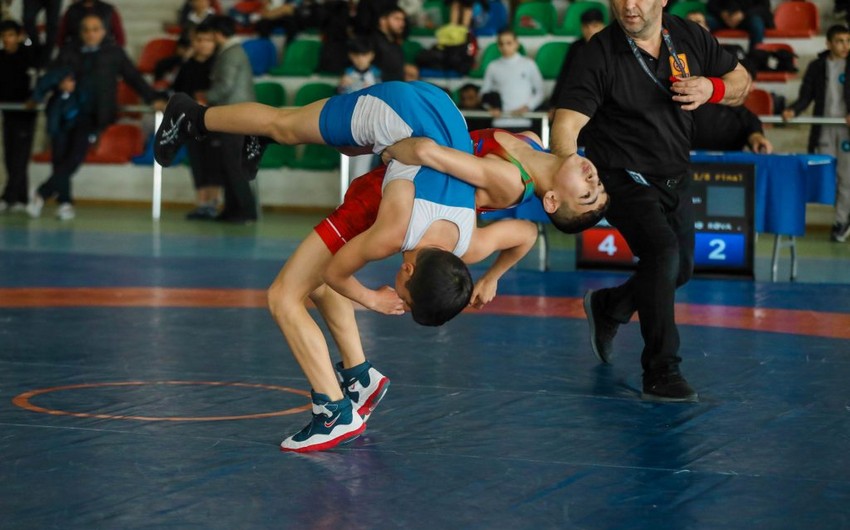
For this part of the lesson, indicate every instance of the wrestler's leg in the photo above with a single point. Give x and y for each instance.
(285, 126)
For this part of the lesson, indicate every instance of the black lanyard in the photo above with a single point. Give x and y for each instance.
(665, 36)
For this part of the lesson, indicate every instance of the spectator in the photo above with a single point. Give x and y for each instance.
(518, 82)
(460, 12)
(469, 96)
(592, 22)
(362, 73)
(15, 61)
(51, 22)
(165, 70)
(725, 128)
(193, 78)
(387, 38)
(232, 81)
(291, 16)
(94, 65)
(194, 13)
(70, 26)
(752, 16)
(824, 84)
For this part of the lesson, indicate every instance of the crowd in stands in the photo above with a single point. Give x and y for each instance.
(361, 43)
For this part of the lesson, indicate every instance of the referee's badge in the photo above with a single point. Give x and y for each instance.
(675, 69)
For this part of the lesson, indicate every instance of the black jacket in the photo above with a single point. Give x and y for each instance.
(97, 75)
(814, 89)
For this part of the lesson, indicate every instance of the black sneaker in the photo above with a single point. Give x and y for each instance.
(177, 126)
(840, 232)
(603, 328)
(252, 153)
(670, 387)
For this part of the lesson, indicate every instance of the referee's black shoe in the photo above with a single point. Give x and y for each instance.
(179, 123)
(669, 387)
(602, 327)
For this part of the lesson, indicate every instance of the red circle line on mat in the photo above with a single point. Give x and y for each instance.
(23, 401)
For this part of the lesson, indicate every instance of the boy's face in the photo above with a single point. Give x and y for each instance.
(590, 29)
(67, 84)
(11, 40)
(203, 45)
(578, 186)
(469, 99)
(200, 6)
(699, 18)
(508, 45)
(361, 61)
(92, 31)
(839, 46)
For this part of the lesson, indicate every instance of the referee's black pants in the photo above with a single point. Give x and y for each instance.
(657, 221)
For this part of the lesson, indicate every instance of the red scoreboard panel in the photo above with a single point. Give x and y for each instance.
(723, 197)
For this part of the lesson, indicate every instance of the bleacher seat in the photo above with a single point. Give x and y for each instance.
(261, 53)
(127, 96)
(437, 13)
(730, 34)
(534, 18)
(270, 93)
(682, 7)
(118, 144)
(795, 20)
(411, 49)
(300, 58)
(550, 58)
(775, 77)
(154, 51)
(571, 25)
(315, 156)
(759, 102)
(490, 53)
(276, 156)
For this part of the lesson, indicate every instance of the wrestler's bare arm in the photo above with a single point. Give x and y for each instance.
(383, 239)
(512, 238)
(487, 173)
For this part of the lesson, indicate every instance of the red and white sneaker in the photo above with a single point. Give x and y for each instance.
(364, 385)
(333, 423)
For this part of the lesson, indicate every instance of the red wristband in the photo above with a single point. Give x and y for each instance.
(718, 90)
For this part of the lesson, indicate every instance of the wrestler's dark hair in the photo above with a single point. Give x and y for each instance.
(440, 287)
(10, 25)
(567, 221)
(223, 24)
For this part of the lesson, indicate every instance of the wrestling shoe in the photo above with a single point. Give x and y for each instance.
(35, 205)
(179, 123)
(333, 423)
(364, 385)
(602, 328)
(253, 148)
(840, 232)
(670, 387)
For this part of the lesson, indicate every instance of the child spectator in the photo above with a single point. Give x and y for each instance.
(469, 98)
(824, 84)
(15, 61)
(518, 82)
(193, 78)
(194, 13)
(361, 73)
(71, 24)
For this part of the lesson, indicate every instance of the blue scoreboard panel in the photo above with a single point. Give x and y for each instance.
(723, 197)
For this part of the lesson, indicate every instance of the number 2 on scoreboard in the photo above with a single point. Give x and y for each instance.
(718, 246)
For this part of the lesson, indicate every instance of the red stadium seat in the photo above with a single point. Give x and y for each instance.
(154, 51)
(760, 102)
(795, 19)
(776, 77)
(128, 96)
(118, 144)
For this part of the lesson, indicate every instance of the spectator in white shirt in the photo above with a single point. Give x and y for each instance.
(518, 82)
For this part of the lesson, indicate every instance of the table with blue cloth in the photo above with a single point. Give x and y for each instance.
(784, 184)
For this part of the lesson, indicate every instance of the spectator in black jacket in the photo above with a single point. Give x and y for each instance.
(71, 25)
(18, 126)
(387, 39)
(194, 78)
(51, 8)
(725, 128)
(592, 22)
(752, 16)
(95, 65)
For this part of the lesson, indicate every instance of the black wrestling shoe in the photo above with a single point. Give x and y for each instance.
(253, 148)
(179, 123)
(670, 387)
(603, 328)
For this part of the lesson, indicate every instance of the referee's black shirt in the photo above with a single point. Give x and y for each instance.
(634, 124)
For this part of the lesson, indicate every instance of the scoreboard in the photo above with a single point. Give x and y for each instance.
(723, 198)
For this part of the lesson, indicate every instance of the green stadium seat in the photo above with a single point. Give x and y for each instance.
(534, 18)
(270, 93)
(300, 58)
(550, 58)
(571, 26)
(319, 157)
(683, 7)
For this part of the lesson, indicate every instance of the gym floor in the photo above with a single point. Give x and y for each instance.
(143, 384)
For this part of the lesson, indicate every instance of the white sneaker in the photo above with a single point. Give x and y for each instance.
(35, 205)
(66, 212)
(18, 207)
(4, 206)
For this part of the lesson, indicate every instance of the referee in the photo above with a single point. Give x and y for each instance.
(632, 89)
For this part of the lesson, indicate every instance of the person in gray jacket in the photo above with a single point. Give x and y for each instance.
(232, 81)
